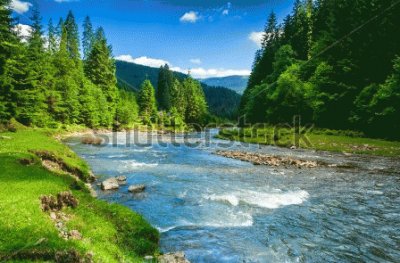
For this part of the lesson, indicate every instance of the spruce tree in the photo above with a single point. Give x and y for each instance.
(196, 105)
(100, 69)
(71, 29)
(52, 38)
(147, 103)
(165, 82)
(88, 37)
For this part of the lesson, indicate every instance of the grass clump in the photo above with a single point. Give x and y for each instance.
(316, 139)
(110, 232)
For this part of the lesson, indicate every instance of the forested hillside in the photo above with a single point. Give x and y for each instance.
(46, 81)
(235, 83)
(335, 64)
(221, 101)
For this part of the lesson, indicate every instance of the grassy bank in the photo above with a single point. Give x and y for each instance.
(317, 139)
(110, 233)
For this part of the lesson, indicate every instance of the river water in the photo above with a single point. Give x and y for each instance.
(223, 210)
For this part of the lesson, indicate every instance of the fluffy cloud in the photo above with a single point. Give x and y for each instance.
(198, 73)
(146, 61)
(257, 37)
(196, 61)
(23, 31)
(190, 17)
(19, 6)
(201, 73)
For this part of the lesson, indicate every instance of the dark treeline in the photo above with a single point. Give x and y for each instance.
(223, 103)
(46, 81)
(335, 63)
(183, 99)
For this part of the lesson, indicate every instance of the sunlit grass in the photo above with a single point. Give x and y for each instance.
(112, 233)
(323, 140)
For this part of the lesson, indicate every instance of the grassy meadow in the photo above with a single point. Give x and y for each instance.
(110, 232)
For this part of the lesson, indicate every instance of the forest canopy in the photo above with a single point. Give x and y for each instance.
(59, 78)
(335, 64)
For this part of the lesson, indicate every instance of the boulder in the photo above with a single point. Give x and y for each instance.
(110, 184)
(178, 257)
(121, 178)
(136, 188)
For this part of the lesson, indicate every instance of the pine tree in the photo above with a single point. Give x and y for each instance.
(32, 88)
(147, 103)
(100, 69)
(72, 37)
(196, 105)
(9, 47)
(51, 38)
(88, 37)
(165, 82)
(67, 109)
(178, 98)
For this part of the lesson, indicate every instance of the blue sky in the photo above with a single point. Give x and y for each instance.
(210, 37)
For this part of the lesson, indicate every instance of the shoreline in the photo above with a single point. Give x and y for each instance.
(37, 164)
(345, 145)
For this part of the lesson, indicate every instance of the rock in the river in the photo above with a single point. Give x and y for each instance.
(110, 184)
(178, 257)
(121, 178)
(136, 188)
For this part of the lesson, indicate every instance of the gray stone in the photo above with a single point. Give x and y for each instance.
(136, 188)
(121, 178)
(110, 184)
(178, 257)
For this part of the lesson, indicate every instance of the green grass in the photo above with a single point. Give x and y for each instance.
(112, 233)
(318, 139)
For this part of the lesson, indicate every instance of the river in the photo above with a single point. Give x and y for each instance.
(223, 210)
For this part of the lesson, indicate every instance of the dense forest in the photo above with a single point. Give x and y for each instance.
(46, 81)
(336, 64)
(222, 102)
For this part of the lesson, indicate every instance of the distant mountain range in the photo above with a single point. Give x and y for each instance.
(222, 101)
(235, 83)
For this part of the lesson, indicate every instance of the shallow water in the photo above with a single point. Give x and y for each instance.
(223, 210)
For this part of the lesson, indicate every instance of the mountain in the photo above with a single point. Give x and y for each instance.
(222, 102)
(236, 83)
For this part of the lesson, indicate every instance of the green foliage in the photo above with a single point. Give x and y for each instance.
(221, 101)
(88, 37)
(147, 103)
(127, 109)
(196, 105)
(112, 233)
(100, 69)
(336, 83)
(165, 83)
(46, 86)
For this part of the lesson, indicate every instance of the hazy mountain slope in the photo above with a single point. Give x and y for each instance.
(236, 83)
(222, 101)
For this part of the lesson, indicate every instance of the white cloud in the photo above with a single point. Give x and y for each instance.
(190, 17)
(145, 61)
(257, 37)
(19, 6)
(198, 73)
(23, 31)
(196, 61)
(225, 12)
(201, 73)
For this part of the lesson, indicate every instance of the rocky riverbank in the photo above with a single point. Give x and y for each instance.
(269, 160)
